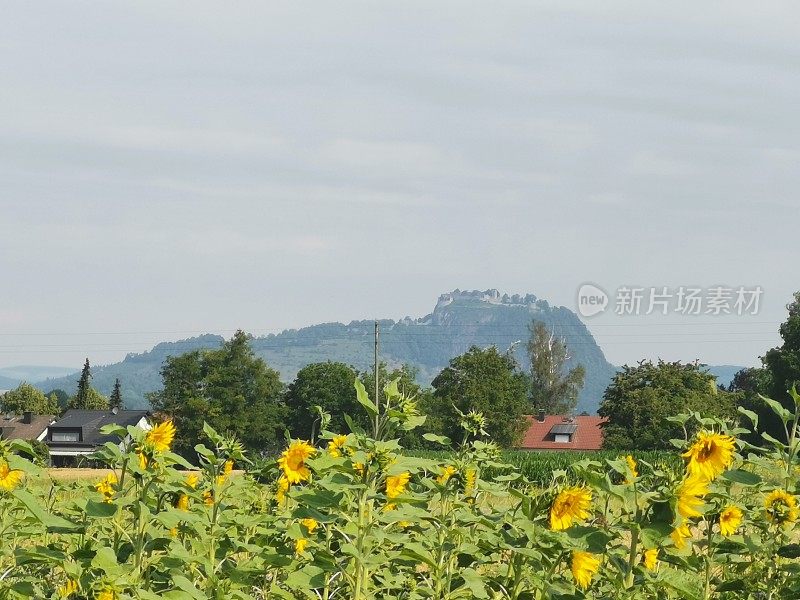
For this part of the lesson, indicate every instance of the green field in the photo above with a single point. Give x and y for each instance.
(538, 467)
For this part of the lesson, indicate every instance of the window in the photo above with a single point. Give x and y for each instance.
(65, 436)
(562, 432)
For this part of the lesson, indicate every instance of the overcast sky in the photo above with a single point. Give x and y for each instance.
(173, 168)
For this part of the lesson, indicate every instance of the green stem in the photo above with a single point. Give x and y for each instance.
(632, 555)
(212, 543)
(326, 590)
(361, 570)
(709, 556)
(517, 576)
(438, 594)
(792, 446)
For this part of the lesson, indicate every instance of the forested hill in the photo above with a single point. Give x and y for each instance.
(459, 320)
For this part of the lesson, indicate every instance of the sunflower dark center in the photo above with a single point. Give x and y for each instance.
(706, 451)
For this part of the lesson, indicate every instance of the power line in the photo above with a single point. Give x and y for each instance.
(388, 342)
(213, 331)
(474, 330)
(388, 338)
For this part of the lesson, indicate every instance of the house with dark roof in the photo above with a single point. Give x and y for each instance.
(77, 434)
(27, 426)
(557, 432)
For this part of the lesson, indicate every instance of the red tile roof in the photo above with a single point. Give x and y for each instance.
(588, 435)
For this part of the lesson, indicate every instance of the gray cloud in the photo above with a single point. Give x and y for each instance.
(170, 167)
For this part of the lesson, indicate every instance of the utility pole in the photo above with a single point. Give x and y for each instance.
(375, 374)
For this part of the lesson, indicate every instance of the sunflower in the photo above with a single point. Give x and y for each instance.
(143, 462)
(107, 594)
(679, 536)
(283, 487)
(293, 461)
(183, 502)
(192, 479)
(571, 504)
(729, 520)
(781, 507)
(309, 524)
(710, 455)
(469, 481)
(9, 478)
(106, 487)
(300, 546)
(160, 436)
(208, 498)
(650, 559)
(690, 495)
(336, 444)
(227, 469)
(69, 588)
(632, 468)
(396, 484)
(584, 565)
(447, 473)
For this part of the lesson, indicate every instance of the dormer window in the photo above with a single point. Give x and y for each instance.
(563, 433)
(65, 436)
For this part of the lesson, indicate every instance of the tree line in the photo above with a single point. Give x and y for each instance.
(641, 398)
(28, 398)
(238, 393)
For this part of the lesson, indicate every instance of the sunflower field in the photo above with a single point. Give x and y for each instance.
(353, 517)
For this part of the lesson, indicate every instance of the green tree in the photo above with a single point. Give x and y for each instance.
(230, 388)
(552, 390)
(84, 383)
(487, 381)
(783, 366)
(115, 400)
(328, 385)
(27, 398)
(639, 400)
(86, 397)
(61, 397)
(91, 400)
(747, 386)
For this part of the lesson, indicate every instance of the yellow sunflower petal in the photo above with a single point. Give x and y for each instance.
(160, 436)
(571, 504)
(584, 566)
(710, 455)
(729, 520)
(292, 461)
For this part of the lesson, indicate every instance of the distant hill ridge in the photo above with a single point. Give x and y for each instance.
(460, 319)
(11, 377)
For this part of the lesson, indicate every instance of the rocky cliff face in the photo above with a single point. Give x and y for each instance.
(463, 319)
(459, 320)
